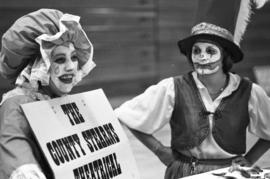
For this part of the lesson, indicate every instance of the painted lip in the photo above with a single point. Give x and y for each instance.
(206, 66)
(66, 78)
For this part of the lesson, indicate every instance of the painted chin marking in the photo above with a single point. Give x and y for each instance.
(67, 79)
(205, 65)
(206, 71)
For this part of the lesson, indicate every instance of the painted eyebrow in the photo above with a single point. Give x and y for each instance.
(74, 52)
(195, 46)
(212, 48)
(62, 54)
(58, 55)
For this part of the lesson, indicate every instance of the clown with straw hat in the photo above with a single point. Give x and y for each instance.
(209, 109)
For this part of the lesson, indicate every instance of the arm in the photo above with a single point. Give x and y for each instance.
(259, 113)
(257, 150)
(162, 152)
(149, 112)
(16, 145)
(254, 154)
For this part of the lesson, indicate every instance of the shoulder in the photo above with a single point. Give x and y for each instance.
(246, 84)
(19, 95)
(162, 90)
(255, 88)
(166, 82)
(186, 79)
(15, 101)
(163, 87)
(237, 81)
(12, 116)
(181, 77)
(258, 90)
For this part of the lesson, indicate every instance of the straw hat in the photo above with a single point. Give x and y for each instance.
(221, 21)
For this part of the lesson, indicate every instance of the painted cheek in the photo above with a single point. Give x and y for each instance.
(196, 58)
(215, 58)
(207, 58)
(56, 70)
(200, 58)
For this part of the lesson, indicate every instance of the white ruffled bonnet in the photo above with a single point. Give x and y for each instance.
(28, 43)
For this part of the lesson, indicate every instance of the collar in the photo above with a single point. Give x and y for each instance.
(234, 81)
(25, 90)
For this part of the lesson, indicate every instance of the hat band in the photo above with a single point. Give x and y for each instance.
(206, 28)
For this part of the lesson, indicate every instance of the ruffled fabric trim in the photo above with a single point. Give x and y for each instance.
(70, 30)
(27, 171)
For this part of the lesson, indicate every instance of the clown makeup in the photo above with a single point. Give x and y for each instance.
(206, 58)
(64, 68)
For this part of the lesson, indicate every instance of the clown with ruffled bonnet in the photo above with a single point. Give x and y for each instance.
(45, 53)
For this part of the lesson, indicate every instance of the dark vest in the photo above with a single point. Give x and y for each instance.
(190, 125)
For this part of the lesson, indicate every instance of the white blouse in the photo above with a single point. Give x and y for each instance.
(151, 110)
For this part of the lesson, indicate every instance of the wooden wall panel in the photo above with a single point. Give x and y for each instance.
(77, 3)
(176, 4)
(135, 41)
(116, 65)
(175, 21)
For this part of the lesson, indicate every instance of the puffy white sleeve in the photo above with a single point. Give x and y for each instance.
(259, 112)
(27, 171)
(151, 110)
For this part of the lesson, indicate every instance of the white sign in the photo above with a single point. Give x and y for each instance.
(81, 137)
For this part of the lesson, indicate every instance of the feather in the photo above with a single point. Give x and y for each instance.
(242, 20)
(260, 3)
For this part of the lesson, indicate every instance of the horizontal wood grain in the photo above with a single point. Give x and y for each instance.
(135, 41)
(76, 3)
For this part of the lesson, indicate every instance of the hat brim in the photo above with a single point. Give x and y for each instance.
(235, 52)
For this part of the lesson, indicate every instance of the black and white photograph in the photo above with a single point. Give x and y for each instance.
(134, 89)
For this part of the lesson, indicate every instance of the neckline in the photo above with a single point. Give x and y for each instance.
(218, 92)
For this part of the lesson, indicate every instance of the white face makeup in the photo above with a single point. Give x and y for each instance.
(206, 58)
(64, 68)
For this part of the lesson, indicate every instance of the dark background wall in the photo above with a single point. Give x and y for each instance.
(135, 40)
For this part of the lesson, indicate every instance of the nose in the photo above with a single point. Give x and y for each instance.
(202, 55)
(70, 65)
